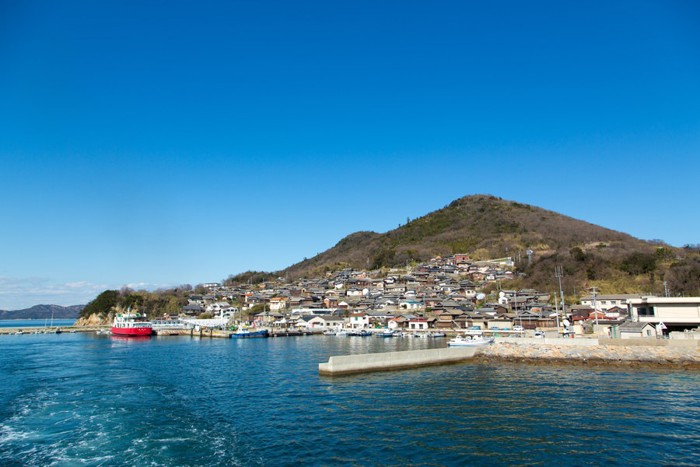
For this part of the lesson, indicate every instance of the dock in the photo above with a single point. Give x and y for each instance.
(390, 361)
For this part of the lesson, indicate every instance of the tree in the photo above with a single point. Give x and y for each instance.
(638, 263)
(102, 304)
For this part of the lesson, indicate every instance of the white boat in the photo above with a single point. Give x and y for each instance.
(461, 341)
(387, 333)
(329, 332)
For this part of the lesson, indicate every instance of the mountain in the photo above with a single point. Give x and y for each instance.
(44, 312)
(487, 227)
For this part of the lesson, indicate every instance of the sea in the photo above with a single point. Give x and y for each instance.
(93, 400)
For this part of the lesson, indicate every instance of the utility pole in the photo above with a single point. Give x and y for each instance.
(595, 307)
(556, 309)
(559, 273)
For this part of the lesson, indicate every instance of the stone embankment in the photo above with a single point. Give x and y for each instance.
(676, 355)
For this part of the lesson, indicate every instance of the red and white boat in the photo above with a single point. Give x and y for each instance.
(131, 324)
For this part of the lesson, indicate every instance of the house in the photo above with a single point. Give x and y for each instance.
(278, 303)
(325, 322)
(500, 322)
(676, 313)
(410, 304)
(359, 321)
(446, 319)
(605, 302)
(616, 312)
(399, 322)
(217, 308)
(192, 310)
(354, 292)
(418, 324)
(634, 330)
(266, 318)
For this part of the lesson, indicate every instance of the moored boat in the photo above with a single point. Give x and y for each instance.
(387, 333)
(241, 333)
(461, 341)
(131, 324)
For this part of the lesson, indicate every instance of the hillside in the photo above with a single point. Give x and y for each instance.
(488, 227)
(43, 312)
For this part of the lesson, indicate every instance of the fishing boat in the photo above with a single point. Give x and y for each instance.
(477, 341)
(241, 333)
(387, 333)
(131, 324)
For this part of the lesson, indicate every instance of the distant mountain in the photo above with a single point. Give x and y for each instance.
(487, 227)
(44, 312)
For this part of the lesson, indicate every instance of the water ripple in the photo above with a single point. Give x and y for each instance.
(80, 399)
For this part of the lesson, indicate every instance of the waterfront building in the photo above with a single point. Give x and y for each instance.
(675, 313)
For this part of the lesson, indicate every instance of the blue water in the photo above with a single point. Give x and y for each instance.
(83, 399)
(34, 323)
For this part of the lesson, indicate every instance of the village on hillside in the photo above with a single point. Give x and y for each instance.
(439, 295)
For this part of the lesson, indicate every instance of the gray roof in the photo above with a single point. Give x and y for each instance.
(633, 326)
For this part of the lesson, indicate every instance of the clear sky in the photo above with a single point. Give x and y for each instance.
(159, 143)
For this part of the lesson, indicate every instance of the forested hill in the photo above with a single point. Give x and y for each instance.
(44, 312)
(489, 227)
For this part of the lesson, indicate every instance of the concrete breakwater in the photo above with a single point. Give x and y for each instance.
(388, 361)
(672, 354)
(661, 353)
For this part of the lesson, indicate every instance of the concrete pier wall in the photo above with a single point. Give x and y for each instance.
(349, 364)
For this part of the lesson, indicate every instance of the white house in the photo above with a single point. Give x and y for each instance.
(278, 303)
(218, 308)
(325, 322)
(359, 321)
(676, 313)
(605, 302)
(418, 324)
(410, 305)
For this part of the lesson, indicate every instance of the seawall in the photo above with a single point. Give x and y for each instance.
(388, 361)
(661, 353)
(656, 353)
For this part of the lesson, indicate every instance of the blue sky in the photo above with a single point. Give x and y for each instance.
(159, 143)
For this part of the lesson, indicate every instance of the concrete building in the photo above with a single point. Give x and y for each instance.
(605, 302)
(676, 313)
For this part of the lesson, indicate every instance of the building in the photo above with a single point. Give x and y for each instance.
(635, 330)
(676, 313)
(605, 302)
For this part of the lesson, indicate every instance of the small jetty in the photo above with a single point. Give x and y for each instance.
(390, 361)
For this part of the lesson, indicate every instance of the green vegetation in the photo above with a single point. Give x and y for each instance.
(638, 263)
(102, 305)
(251, 277)
(153, 304)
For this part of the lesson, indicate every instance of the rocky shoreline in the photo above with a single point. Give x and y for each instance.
(675, 357)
